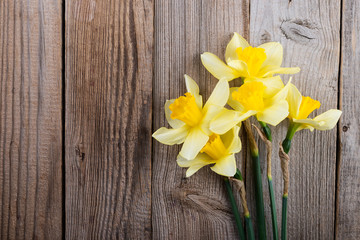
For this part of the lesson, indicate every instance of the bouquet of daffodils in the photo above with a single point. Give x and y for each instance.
(209, 131)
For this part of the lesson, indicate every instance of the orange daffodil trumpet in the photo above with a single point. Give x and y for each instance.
(190, 120)
(300, 108)
(219, 151)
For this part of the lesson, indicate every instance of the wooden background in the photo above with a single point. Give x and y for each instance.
(82, 88)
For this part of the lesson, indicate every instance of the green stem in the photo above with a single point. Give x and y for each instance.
(273, 209)
(267, 133)
(266, 130)
(260, 215)
(238, 175)
(248, 222)
(286, 144)
(235, 209)
(249, 228)
(284, 217)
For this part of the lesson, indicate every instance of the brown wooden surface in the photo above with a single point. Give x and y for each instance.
(108, 119)
(123, 59)
(30, 120)
(348, 188)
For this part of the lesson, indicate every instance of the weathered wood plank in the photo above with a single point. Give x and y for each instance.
(30, 120)
(108, 119)
(197, 207)
(348, 204)
(309, 32)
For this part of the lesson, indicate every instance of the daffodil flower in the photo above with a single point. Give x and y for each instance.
(190, 120)
(219, 151)
(249, 100)
(251, 63)
(300, 108)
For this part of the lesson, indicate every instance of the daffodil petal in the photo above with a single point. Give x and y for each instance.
(233, 103)
(236, 41)
(273, 85)
(195, 164)
(220, 94)
(240, 66)
(324, 121)
(294, 99)
(194, 142)
(274, 53)
(269, 71)
(193, 88)
(171, 136)
(174, 123)
(280, 95)
(217, 67)
(231, 140)
(275, 113)
(226, 166)
(227, 119)
(328, 119)
(209, 113)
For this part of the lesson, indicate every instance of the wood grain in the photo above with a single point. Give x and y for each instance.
(30, 120)
(348, 204)
(195, 207)
(108, 119)
(309, 32)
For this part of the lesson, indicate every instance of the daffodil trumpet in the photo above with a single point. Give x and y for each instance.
(254, 152)
(219, 152)
(190, 119)
(245, 61)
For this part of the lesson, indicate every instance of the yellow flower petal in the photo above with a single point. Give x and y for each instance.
(226, 166)
(227, 119)
(171, 136)
(174, 123)
(328, 119)
(273, 85)
(275, 113)
(241, 67)
(280, 95)
(231, 140)
(324, 121)
(220, 94)
(211, 112)
(193, 88)
(194, 165)
(193, 143)
(269, 71)
(294, 99)
(235, 42)
(274, 53)
(217, 67)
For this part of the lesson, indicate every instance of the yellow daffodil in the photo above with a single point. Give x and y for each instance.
(249, 100)
(250, 63)
(218, 151)
(300, 108)
(190, 120)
